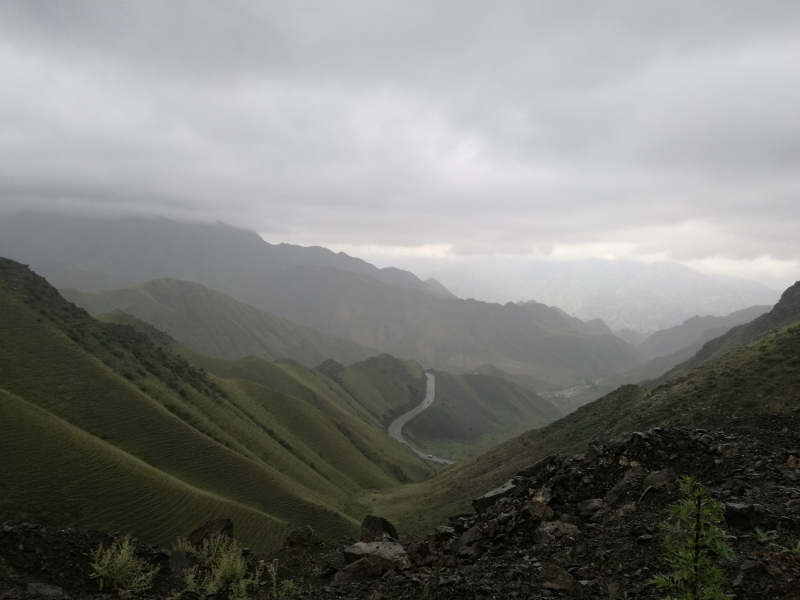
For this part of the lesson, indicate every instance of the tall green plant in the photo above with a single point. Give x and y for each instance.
(220, 565)
(118, 568)
(692, 535)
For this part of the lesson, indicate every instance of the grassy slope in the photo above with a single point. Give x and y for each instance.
(216, 324)
(473, 413)
(93, 484)
(260, 452)
(763, 375)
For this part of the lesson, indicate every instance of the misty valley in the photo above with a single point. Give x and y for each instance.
(175, 395)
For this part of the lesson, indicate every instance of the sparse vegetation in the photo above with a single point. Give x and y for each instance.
(793, 550)
(764, 537)
(692, 535)
(272, 569)
(118, 568)
(221, 565)
(287, 587)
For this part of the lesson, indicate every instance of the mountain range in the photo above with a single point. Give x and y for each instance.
(268, 397)
(216, 324)
(625, 294)
(74, 251)
(384, 310)
(676, 345)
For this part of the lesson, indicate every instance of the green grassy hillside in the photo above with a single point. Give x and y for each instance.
(210, 446)
(762, 375)
(216, 324)
(536, 346)
(473, 413)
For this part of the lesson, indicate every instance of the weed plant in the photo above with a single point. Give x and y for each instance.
(764, 537)
(118, 568)
(220, 565)
(692, 535)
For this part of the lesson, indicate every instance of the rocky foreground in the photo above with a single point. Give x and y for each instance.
(567, 526)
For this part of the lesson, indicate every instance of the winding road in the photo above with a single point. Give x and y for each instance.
(396, 428)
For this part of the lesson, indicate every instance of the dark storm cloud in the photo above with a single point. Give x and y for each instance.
(668, 127)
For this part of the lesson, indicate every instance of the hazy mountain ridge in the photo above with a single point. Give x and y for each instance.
(785, 312)
(673, 339)
(625, 294)
(697, 331)
(216, 324)
(139, 249)
(535, 344)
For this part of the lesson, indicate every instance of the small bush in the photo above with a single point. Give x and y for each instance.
(287, 587)
(692, 535)
(220, 565)
(118, 568)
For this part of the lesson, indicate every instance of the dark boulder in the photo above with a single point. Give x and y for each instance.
(359, 570)
(744, 516)
(222, 527)
(377, 529)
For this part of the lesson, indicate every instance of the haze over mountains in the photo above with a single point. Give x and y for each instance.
(150, 405)
(673, 346)
(216, 324)
(388, 310)
(107, 252)
(625, 294)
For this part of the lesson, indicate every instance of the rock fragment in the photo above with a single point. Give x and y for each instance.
(557, 579)
(382, 555)
(43, 589)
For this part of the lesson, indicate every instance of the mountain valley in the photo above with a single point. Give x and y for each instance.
(171, 403)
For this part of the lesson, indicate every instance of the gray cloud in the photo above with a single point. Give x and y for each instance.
(504, 127)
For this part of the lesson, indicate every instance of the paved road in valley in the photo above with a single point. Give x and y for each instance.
(396, 428)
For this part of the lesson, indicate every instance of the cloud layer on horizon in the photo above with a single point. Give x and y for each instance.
(668, 129)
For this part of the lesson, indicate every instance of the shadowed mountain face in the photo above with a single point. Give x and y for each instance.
(534, 344)
(690, 331)
(76, 250)
(689, 338)
(786, 311)
(215, 324)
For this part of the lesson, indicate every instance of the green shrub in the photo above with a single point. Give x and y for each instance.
(118, 568)
(693, 534)
(287, 587)
(220, 565)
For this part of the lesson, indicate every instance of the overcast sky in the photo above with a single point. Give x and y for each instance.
(558, 129)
